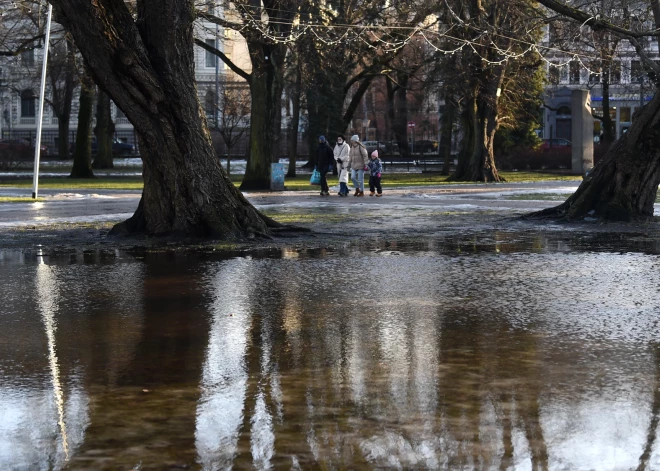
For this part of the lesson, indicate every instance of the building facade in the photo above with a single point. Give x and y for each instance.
(20, 84)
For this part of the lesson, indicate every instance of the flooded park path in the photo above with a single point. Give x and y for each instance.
(491, 351)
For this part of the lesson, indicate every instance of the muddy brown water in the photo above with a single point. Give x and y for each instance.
(490, 352)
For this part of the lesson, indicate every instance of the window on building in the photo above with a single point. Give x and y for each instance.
(552, 33)
(615, 72)
(210, 57)
(228, 33)
(554, 73)
(636, 72)
(27, 58)
(574, 72)
(625, 114)
(209, 104)
(594, 76)
(564, 110)
(28, 104)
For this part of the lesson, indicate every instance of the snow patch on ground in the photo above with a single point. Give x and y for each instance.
(46, 221)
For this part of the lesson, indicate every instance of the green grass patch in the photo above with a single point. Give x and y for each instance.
(19, 199)
(298, 183)
(293, 218)
(301, 182)
(65, 183)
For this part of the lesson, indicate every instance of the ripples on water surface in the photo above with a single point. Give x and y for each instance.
(469, 355)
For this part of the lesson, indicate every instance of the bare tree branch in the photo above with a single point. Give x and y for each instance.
(224, 58)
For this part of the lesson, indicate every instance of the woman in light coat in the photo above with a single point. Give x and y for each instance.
(359, 160)
(341, 153)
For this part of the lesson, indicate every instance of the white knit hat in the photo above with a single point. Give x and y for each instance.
(355, 138)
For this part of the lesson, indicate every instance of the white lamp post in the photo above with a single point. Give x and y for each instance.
(37, 145)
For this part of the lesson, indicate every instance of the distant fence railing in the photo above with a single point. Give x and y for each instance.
(50, 139)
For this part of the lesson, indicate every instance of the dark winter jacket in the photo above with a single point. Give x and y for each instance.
(324, 157)
(375, 166)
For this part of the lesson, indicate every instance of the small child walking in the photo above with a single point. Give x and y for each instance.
(375, 169)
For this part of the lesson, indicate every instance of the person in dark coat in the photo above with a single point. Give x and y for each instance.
(324, 159)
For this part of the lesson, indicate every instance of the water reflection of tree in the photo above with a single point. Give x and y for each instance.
(490, 365)
(410, 385)
(145, 411)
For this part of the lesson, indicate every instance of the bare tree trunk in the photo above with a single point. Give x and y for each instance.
(623, 185)
(478, 158)
(396, 106)
(147, 68)
(446, 131)
(295, 123)
(63, 85)
(609, 135)
(266, 87)
(63, 129)
(82, 153)
(104, 131)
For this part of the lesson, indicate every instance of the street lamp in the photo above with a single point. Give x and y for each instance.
(37, 144)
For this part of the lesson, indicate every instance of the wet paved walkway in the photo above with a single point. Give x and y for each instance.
(114, 205)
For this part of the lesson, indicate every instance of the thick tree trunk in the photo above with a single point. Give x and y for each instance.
(147, 68)
(63, 129)
(446, 131)
(622, 186)
(397, 104)
(63, 85)
(608, 125)
(294, 124)
(469, 126)
(266, 85)
(104, 131)
(82, 153)
(478, 157)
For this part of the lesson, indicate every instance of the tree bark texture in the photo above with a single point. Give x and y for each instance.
(266, 86)
(397, 110)
(146, 65)
(104, 131)
(82, 152)
(295, 122)
(446, 131)
(609, 134)
(63, 82)
(477, 158)
(624, 184)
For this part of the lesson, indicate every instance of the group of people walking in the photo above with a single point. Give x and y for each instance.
(353, 157)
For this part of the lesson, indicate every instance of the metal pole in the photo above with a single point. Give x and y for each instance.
(37, 145)
(217, 66)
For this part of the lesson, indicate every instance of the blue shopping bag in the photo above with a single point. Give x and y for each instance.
(316, 178)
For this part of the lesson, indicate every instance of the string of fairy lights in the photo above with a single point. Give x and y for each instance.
(379, 37)
(392, 37)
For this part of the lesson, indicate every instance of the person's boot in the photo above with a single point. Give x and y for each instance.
(361, 193)
(372, 193)
(357, 192)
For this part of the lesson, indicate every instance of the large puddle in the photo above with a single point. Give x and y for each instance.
(485, 353)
